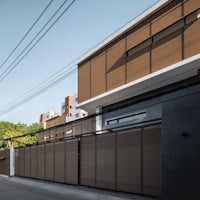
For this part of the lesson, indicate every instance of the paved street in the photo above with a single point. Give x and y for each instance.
(23, 189)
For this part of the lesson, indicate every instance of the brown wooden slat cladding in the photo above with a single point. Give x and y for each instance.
(27, 152)
(192, 39)
(116, 59)
(71, 162)
(60, 161)
(34, 158)
(163, 55)
(138, 36)
(49, 162)
(41, 161)
(190, 6)
(167, 54)
(88, 125)
(151, 160)
(128, 175)
(77, 128)
(165, 19)
(84, 82)
(138, 67)
(98, 75)
(105, 161)
(87, 161)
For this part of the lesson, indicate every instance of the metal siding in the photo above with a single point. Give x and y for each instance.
(27, 153)
(167, 54)
(87, 161)
(41, 161)
(116, 60)
(34, 158)
(49, 163)
(98, 75)
(105, 161)
(84, 82)
(192, 39)
(128, 175)
(71, 162)
(60, 161)
(21, 160)
(138, 67)
(151, 160)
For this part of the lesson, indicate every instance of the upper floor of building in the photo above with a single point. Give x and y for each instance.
(156, 49)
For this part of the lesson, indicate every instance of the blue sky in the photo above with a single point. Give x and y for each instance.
(83, 26)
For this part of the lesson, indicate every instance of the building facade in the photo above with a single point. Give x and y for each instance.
(143, 84)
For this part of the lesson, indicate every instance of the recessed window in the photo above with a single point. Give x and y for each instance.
(134, 118)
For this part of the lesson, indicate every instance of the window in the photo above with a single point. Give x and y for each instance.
(134, 118)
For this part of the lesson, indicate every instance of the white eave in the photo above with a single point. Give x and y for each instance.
(125, 28)
(182, 70)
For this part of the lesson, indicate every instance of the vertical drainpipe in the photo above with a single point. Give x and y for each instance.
(98, 120)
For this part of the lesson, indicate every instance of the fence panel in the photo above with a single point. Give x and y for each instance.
(34, 158)
(21, 162)
(41, 159)
(27, 167)
(128, 161)
(105, 161)
(87, 161)
(60, 161)
(49, 162)
(71, 162)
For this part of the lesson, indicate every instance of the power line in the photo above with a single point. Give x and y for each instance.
(26, 34)
(39, 91)
(10, 68)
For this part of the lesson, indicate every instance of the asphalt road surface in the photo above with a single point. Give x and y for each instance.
(28, 189)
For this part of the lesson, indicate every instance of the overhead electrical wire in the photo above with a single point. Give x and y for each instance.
(11, 68)
(48, 84)
(29, 30)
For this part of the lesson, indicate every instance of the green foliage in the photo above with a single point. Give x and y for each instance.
(10, 130)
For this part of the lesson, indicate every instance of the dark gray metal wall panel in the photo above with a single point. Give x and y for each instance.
(181, 145)
(60, 161)
(49, 162)
(71, 173)
(41, 161)
(21, 162)
(17, 167)
(128, 165)
(34, 158)
(87, 161)
(105, 161)
(151, 160)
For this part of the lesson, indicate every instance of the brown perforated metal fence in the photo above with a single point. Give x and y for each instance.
(5, 162)
(127, 161)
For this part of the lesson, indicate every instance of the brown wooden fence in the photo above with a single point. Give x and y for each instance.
(128, 161)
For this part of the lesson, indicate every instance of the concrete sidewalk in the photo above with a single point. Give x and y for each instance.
(23, 189)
